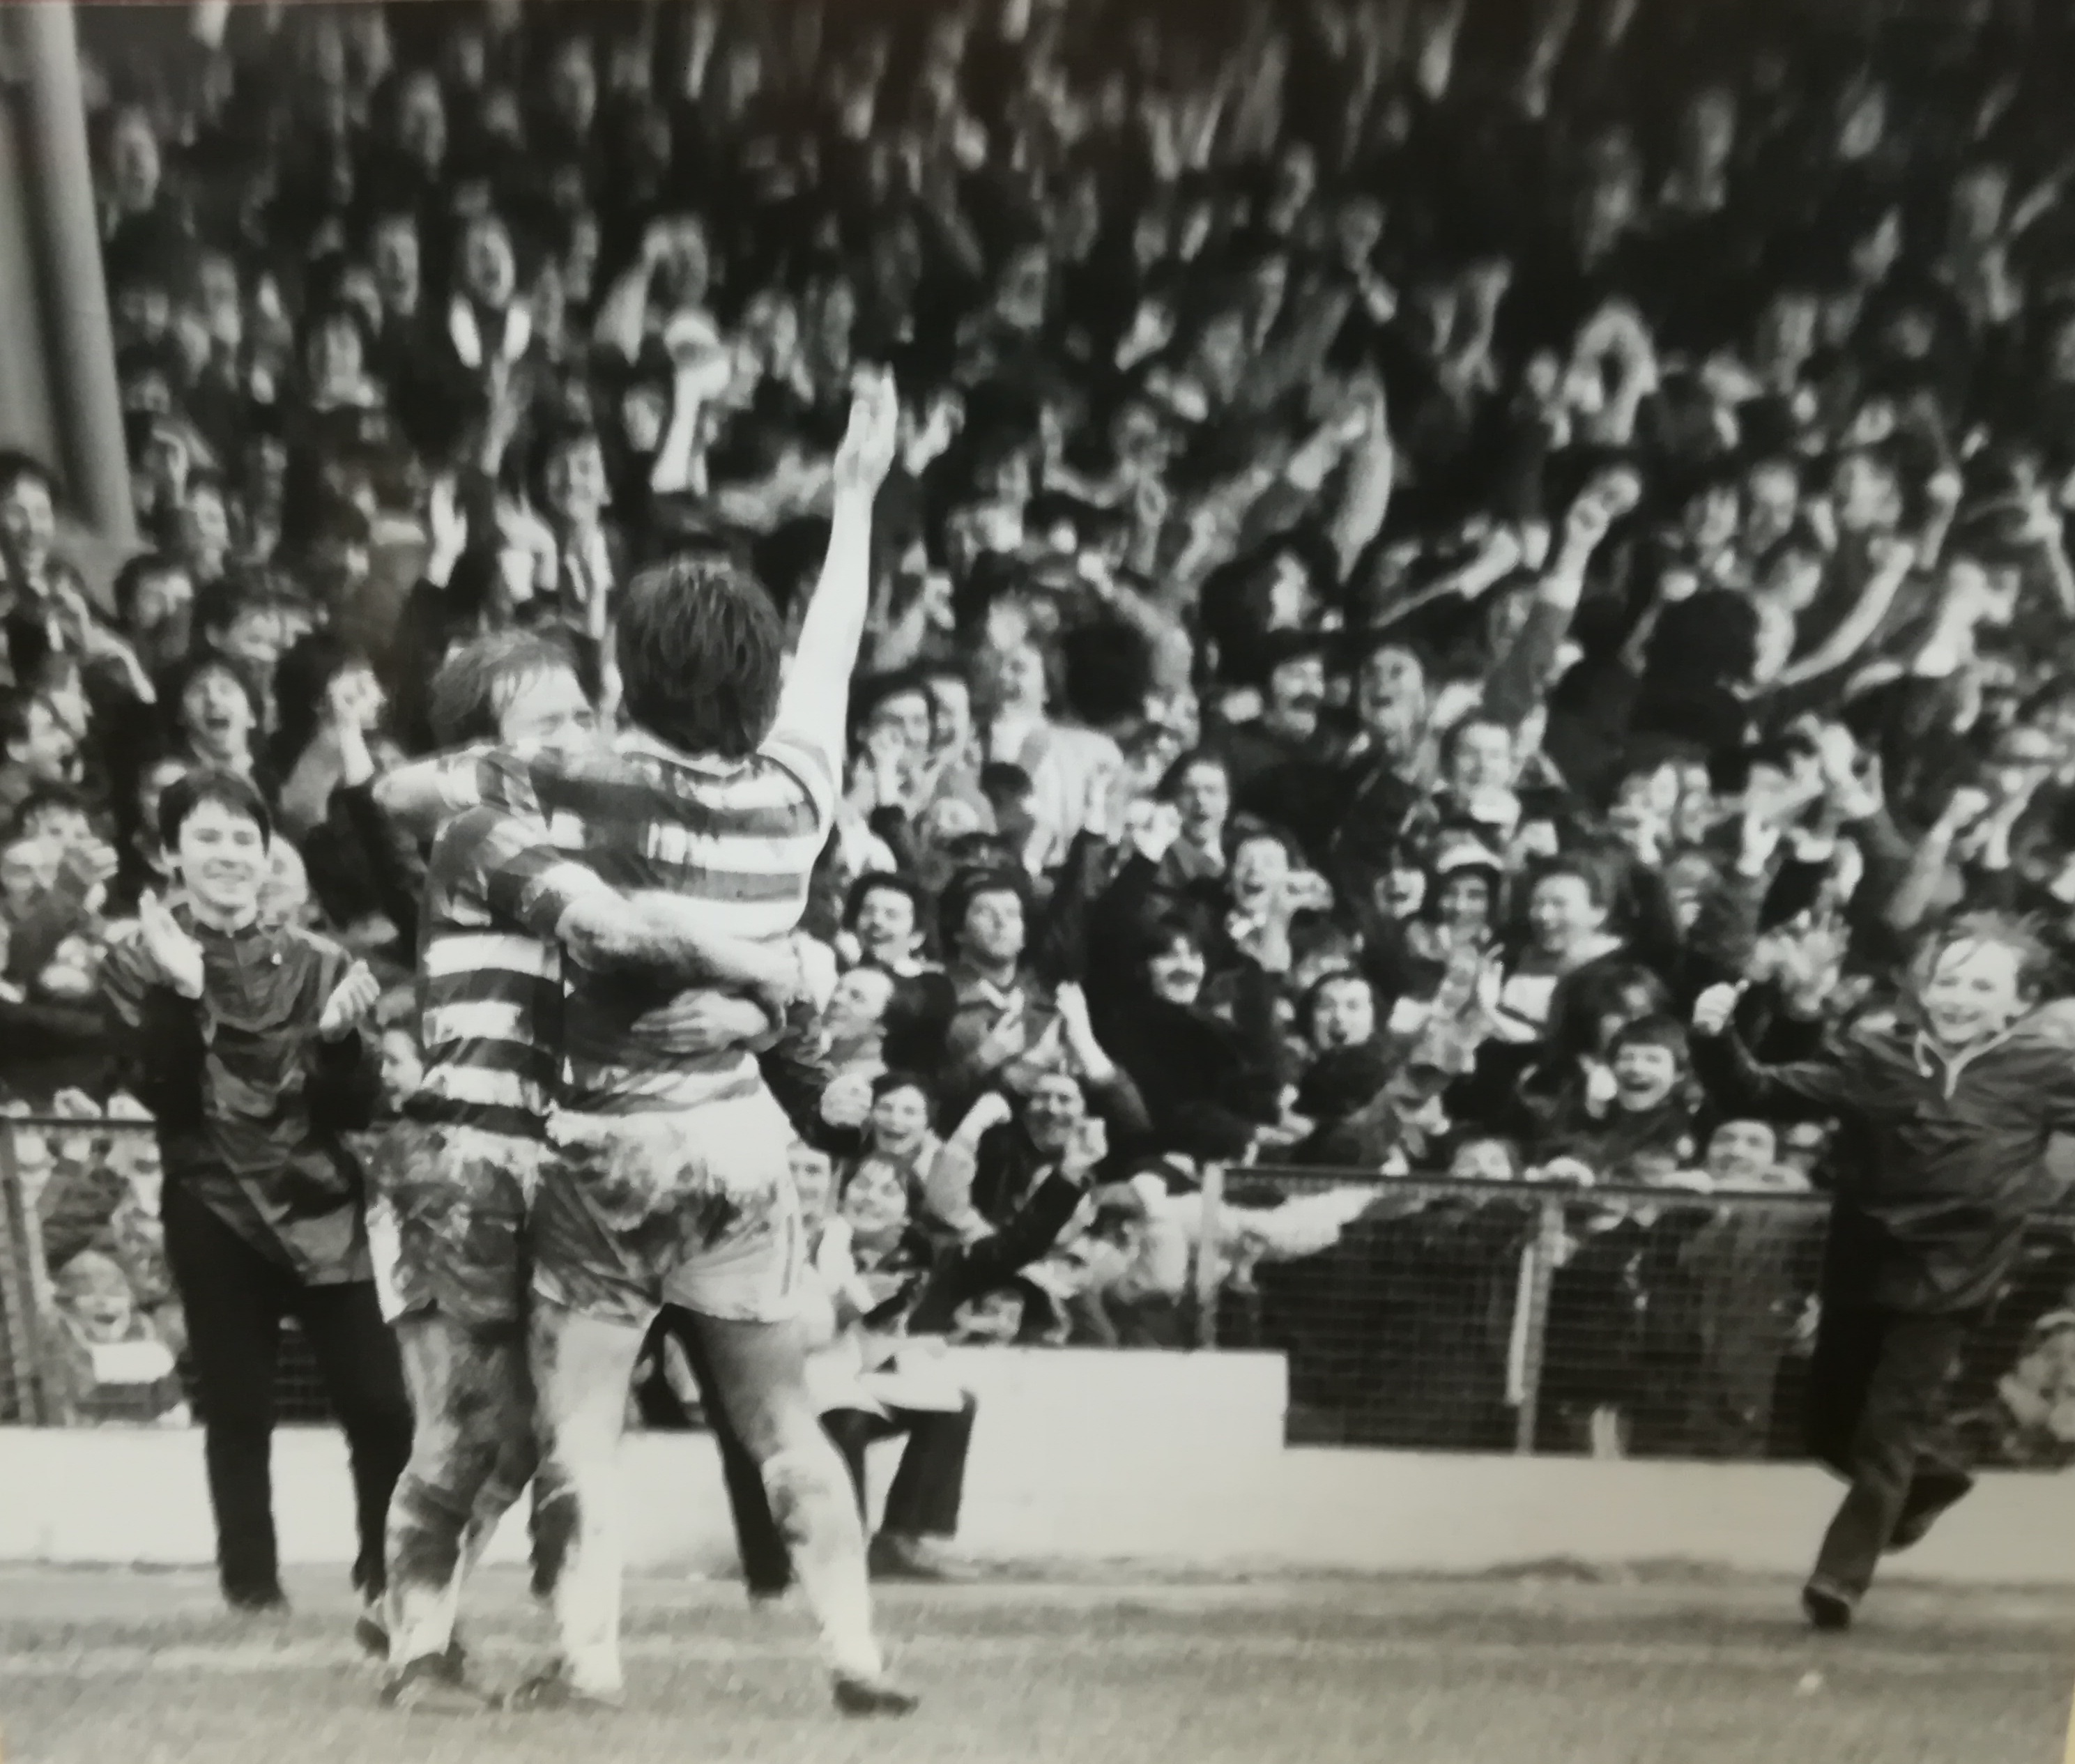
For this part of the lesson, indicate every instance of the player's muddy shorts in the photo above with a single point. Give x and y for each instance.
(695, 1208)
(447, 1221)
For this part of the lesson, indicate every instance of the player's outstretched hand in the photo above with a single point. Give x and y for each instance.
(874, 434)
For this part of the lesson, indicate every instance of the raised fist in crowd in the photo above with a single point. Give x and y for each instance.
(1714, 1010)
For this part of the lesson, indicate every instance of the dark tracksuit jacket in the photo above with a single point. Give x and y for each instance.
(1930, 1217)
(1944, 1170)
(265, 1217)
(249, 1104)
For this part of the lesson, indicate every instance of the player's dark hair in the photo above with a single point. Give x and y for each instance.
(228, 791)
(699, 646)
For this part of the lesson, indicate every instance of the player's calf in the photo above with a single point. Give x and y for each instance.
(469, 1391)
(581, 1366)
(812, 1502)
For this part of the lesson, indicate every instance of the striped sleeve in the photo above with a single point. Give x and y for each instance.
(474, 777)
(504, 779)
(526, 880)
(818, 771)
(456, 779)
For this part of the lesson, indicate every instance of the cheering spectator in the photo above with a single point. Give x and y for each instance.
(264, 1214)
(1342, 677)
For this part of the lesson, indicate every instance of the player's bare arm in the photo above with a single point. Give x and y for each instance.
(418, 797)
(814, 710)
(657, 934)
(663, 937)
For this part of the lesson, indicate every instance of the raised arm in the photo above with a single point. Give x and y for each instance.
(1891, 568)
(948, 1182)
(814, 711)
(1813, 1089)
(1521, 673)
(977, 1267)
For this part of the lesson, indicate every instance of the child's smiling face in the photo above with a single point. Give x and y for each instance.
(1742, 1154)
(900, 1121)
(1644, 1074)
(1482, 1161)
(95, 1292)
(875, 1202)
(1975, 990)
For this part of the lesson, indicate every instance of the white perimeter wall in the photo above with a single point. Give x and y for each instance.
(1174, 1461)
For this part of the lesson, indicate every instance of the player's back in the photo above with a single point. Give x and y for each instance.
(740, 838)
(489, 995)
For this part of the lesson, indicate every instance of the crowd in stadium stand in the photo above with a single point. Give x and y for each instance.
(1428, 533)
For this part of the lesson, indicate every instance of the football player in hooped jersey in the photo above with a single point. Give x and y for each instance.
(455, 1176)
(668, 1177)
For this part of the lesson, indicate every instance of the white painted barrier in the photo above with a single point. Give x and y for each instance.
(1171, 1460)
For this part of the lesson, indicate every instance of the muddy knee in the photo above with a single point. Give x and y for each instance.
(517, 1459)
(426, 1520)
(802, 1486)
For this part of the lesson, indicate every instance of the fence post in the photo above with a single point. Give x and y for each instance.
(1210, 1257)
(21, 1309)
(1542, 1257)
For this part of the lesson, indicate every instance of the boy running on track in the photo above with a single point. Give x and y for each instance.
(668, 1177)
(1950, 1103)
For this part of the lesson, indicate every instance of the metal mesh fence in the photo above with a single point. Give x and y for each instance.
(1450, 1316)
(24, 1302)
(1417, 1326)
(1417, 1314)
(1614, 1323)
(72, 1189)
